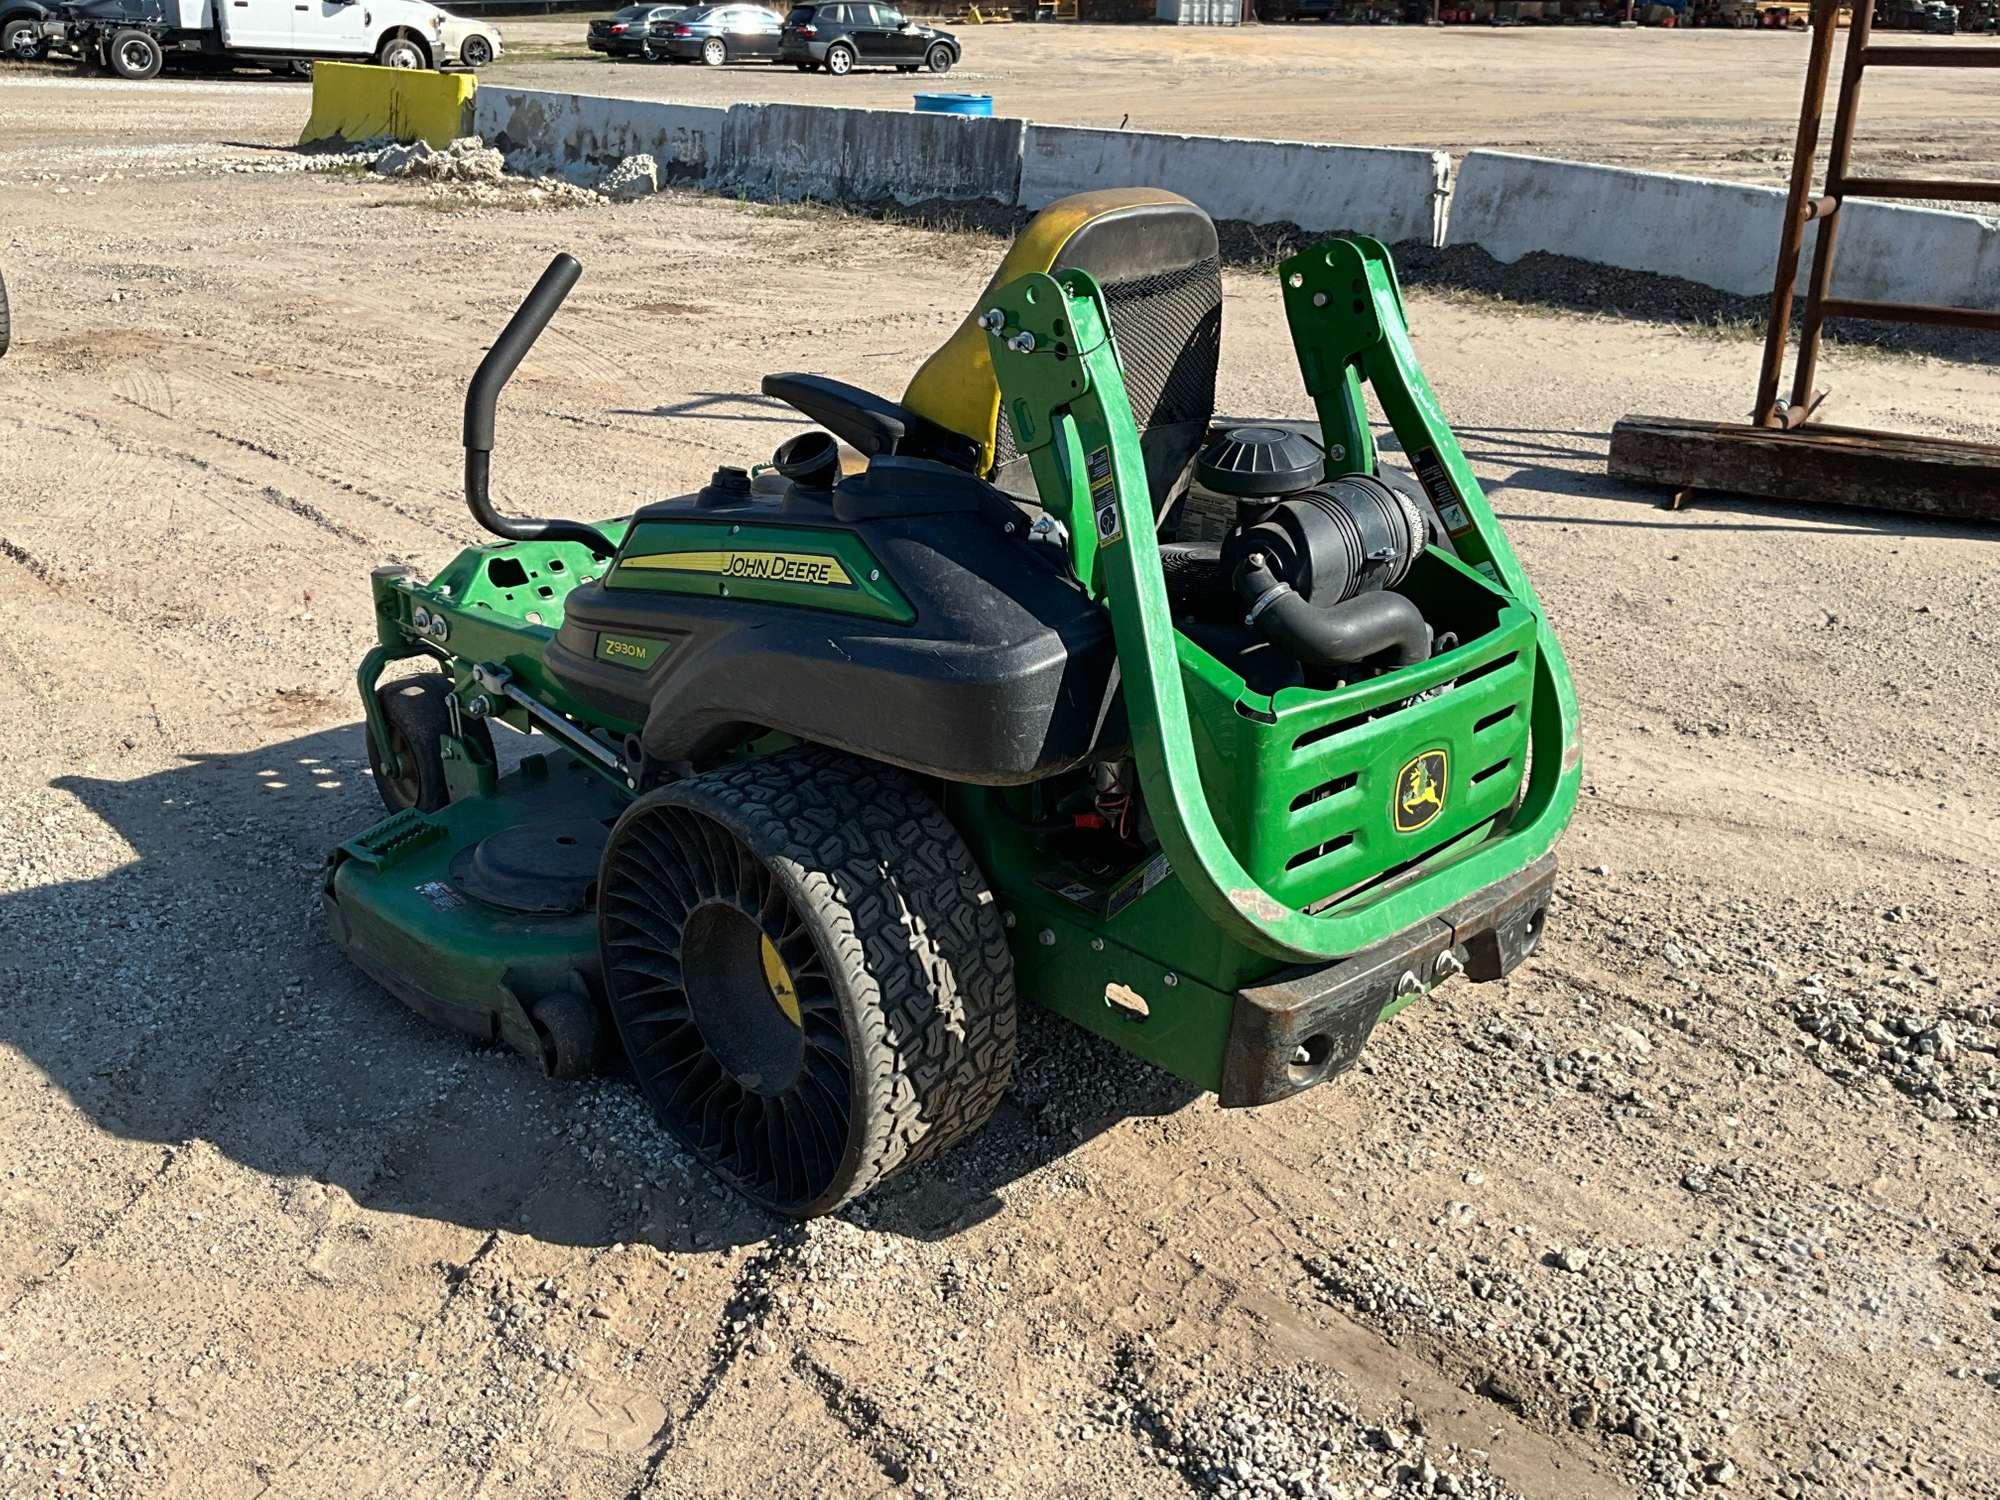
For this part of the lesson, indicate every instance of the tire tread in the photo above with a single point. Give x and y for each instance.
(913, 931)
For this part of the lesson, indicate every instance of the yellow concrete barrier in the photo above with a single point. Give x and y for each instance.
(357, 101)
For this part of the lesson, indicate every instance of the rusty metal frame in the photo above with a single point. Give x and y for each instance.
(1802, 207)
(1782, 454)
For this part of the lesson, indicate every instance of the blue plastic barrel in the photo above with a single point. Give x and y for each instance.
(955, 104)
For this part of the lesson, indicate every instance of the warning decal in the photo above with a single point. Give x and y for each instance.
(1103, 496)
(1436, 480)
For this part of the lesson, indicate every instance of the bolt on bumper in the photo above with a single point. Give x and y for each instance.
(1310, 1025)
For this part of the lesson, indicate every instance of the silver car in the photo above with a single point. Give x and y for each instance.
(716, 34)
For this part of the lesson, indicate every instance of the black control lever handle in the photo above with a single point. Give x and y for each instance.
(483, 395)
(515, 340)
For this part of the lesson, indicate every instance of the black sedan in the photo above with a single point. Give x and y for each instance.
(717, 34)
(623, 32)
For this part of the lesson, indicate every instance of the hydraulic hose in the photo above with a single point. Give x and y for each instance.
(1363, 628)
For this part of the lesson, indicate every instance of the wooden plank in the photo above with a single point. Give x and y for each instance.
(1910, 312)
(1921, 56)
(1817, 465)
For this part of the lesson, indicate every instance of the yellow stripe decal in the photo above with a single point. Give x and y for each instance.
(815, 568)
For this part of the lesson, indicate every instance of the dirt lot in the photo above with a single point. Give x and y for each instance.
(1715, 103)
(1718, 103)
(1703, 1200)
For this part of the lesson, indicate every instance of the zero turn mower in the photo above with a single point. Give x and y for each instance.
(1220, 738)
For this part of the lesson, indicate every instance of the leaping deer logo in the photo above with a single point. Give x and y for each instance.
(1420, 791)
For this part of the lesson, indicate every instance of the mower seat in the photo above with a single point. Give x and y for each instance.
(1155, 255)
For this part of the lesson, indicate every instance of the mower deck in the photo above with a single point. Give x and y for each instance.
(479, 913)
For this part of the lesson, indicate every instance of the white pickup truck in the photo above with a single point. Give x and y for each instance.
(136, 38)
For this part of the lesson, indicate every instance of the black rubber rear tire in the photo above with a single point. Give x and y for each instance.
(135, 54)
(840, 60)
(419, 718)
(892, 956)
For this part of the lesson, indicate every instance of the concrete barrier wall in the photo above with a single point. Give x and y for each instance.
(1719, 234)
(1888, 253)
(785, 152)
(1390, 193)
(562, 129)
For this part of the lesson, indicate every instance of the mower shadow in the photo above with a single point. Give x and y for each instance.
(193, 993)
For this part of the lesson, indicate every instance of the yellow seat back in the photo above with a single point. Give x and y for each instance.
(1155, 255)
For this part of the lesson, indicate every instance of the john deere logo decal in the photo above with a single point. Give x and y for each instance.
(1420, 788)
(815, 568)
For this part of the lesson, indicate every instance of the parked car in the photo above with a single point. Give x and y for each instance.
(843, 35)
(623, 32)
(21, 35)
(716, 34)
(475, 43)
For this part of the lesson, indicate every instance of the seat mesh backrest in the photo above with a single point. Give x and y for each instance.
(1169, 331)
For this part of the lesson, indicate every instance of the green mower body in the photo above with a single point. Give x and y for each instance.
(1074, 772)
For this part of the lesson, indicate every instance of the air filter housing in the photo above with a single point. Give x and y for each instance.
(1260, 463)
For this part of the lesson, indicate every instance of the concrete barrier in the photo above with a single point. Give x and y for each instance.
(1390, 193)
(785, 152)
(359, 101)
(1719, 234)
(570, 129)
(1888, 253)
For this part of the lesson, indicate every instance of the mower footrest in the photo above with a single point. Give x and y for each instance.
(1309, 1025)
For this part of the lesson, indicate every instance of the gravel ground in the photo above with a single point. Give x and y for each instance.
(1701, 1200)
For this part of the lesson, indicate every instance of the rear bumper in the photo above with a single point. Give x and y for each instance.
(1305, 1027)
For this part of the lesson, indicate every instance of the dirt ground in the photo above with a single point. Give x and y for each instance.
(1716, 103)
(1702, 1200)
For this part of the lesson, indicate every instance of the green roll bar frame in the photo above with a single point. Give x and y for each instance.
(1064, 389)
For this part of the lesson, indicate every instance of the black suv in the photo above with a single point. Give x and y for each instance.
(843, 35)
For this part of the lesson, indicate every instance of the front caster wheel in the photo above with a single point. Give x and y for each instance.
(808, 972)
(418, 715)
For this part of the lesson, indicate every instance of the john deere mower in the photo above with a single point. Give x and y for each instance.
(1218, 737)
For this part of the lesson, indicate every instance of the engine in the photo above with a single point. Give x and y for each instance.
(1310, 564)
